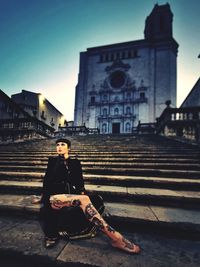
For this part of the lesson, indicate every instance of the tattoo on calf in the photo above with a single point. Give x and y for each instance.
(110, 229)
(127, 243)
(98, 223)
(90, 211)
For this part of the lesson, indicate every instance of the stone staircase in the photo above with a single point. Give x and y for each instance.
(150, 184)
(145, 179)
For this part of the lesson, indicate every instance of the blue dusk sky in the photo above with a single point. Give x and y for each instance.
(40, 42)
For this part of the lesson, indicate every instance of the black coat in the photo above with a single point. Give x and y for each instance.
(62, 176)
(65, 177)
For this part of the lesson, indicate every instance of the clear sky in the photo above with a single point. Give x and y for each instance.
(40, 42)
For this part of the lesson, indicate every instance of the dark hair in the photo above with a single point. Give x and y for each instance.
(63, 140)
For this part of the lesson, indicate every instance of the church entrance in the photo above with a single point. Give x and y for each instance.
(116, 128)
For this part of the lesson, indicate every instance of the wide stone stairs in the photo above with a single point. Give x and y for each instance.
(146, 181)
(150, 186)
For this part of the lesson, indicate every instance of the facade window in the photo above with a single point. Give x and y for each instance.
(105, 98)
(117, 98)
(43, 115)
(128, 110)
(105, 112)
(52, 122)
(118, 55)
(142, 95)
(92, 99)
(116, 111)
(117, 79)
(128, 96)
(135, 53)
(104, 128)
(128, 127)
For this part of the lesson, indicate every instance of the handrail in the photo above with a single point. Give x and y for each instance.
(180, 122)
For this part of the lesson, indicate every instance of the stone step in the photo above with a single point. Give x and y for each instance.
(109, 158)
(44, 160)
(107, 150)
(139, 181)
(117, 193)
(118, 170)
(194, 174)
(126, 215)
(107, 164)
(84, 144)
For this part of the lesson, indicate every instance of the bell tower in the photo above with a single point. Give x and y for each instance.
(159, 35)
(158, 25)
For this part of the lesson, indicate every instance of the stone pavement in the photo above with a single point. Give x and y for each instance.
(21, 245)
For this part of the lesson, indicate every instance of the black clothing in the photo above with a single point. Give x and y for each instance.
(65, 177)
(62, 177)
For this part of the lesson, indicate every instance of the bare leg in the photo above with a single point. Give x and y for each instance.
(83, 201)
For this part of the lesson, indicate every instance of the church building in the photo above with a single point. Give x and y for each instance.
(122, 84)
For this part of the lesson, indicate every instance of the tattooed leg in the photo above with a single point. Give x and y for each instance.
(83, 201)
(64, 200)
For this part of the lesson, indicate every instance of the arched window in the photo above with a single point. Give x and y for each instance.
(104, 128)
(105, 112)
(128, 127)
(116, 111)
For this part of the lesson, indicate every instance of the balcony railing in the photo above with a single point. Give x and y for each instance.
(23, 128)
(181, 123)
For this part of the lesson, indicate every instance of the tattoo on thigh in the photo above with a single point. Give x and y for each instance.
(57, 202)
(90, 211)
(69, 195)
(76, 202)
(60, 204)
(98, 223)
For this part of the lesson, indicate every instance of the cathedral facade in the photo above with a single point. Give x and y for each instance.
(122, 84)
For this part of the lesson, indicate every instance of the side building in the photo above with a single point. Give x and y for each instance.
(38, 106)
(17, 125)
(122, 84)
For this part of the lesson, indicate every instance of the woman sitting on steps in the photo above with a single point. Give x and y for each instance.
(55, 198)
